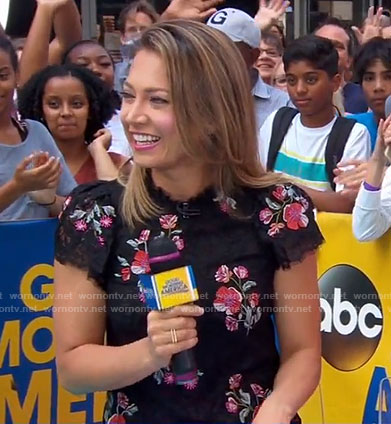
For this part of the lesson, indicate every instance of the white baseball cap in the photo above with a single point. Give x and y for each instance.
(237, 25)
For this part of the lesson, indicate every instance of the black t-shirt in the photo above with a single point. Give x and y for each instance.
(234, 262)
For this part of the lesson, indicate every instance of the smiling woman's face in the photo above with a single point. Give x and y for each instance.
(65, 108)
(148, 115)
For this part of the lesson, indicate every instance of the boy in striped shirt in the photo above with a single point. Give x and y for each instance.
(311, 65)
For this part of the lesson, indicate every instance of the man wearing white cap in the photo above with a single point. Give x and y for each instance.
(244, 32)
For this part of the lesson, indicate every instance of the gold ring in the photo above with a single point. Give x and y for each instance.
(174, 337)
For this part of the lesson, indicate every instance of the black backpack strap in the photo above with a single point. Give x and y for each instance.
(336, 143)
(281, 123)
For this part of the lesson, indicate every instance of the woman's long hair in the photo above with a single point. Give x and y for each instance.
(214, 110)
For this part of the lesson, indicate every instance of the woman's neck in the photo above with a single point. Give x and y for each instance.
(8, 132)
(75, 153)
(184, 183)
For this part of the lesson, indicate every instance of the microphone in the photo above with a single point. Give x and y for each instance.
(387, 113)
(171, 283)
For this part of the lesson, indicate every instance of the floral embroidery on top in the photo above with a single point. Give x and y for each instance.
(140, 264)
(124, 407)
(285, 208)
(240, 401)
(237, 303)
(166, 376)
(226, 203)
(97, 216)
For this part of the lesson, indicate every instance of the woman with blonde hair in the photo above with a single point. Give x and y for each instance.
(251, 239)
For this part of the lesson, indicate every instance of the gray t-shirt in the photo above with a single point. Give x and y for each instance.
(38, 138)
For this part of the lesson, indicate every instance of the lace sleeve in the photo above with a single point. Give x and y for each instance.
(85, 233)
(285, 220)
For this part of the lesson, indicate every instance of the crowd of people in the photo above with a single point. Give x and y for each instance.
(214, 132)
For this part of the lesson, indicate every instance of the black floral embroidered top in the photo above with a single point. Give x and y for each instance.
(234, 261)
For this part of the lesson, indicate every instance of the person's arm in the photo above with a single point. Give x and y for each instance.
(298, 325)
(80, 337)
(372, 212)
(35, 54)
(330, 201)
(197, 10)
(68, 30)
(9, 193)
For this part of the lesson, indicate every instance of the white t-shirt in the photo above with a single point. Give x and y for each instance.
(119, 142)
(372, 212)
(302, 153)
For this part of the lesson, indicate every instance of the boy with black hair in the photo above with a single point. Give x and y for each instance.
(306, 144)
(373, 69)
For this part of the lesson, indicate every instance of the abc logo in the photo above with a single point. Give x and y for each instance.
(352, 318)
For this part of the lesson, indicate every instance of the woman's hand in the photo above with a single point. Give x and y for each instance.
(270, 12)
(172, 331)
(37, 172)
(351, 173)
(372, 27)
(102, 140)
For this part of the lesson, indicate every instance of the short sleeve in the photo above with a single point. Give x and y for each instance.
(86, 230)
(285, 220)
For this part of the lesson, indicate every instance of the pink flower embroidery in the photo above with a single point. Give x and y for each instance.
(258, 390)
(231, 406)
(241, 272)
(192, 384)
(169, 378)
(231, 323)
(275, 229)
(125, 274)
(235, 381)
(101, 240)
(106, 221)
(140, 265)
(80, 225)
(180, 244)
(168, 222)
(280, 193)
(223, 274)
(294, 216)
(265, 215)
(228, 300)
(122, 400)
(253, 300)
(67, 202)
(144, 235)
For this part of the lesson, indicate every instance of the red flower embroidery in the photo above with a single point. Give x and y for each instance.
(231, 323)
(265, 215)
(125, 274)
(144, 235)
(295, 217)
(258, 390)
(80, 225)
(235, 381)
(241, 272)
(106, 221)
(280, 193)
(223, 274)
(168, 222)
(140, 265)
(180, 244)
(231, 406)
(228, 300)
(117, 419)
(122, 400)
(275, 229)
(253, 300)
